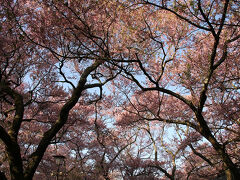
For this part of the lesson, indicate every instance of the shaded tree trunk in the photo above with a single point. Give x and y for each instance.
(15, 163)
(231, 169)
(2, 176)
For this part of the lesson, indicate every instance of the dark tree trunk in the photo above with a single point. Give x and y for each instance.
(15, 162)
(2, 176)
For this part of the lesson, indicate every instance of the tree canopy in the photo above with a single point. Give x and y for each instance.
(140, 89)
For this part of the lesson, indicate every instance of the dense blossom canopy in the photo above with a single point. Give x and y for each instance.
(140, 89)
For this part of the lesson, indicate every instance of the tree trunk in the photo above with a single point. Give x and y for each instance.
(231, 170)
(2, 176)
(15, 162)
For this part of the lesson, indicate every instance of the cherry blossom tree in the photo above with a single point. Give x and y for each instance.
(193, 63)
(51, 54)
(141, 89)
